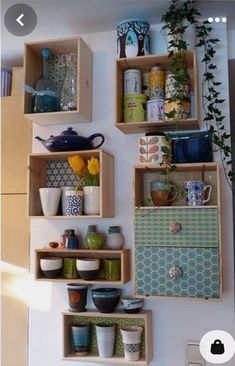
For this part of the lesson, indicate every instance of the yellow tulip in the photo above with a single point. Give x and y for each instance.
(93, 166)
(77, 164)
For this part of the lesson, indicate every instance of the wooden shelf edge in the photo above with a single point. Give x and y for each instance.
(173, 207)
(145, 126)
(150, 57)
(83, 250)
(118, 313)
(212, 164)
(80, 281)
(95, 358)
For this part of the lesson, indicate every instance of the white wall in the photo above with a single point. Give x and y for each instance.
(174, 321)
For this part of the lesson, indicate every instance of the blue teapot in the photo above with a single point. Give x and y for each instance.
(69, 140)
(191, 147)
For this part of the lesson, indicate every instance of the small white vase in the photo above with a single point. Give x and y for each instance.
(131, 337)
(50, 199)
(105, 340)
(91, 200)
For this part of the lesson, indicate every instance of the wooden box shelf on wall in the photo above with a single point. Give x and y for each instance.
(192, 248)
(33, 72)
(122, 254)
(39, 168)
(144, 174)
(144, 319)
(145, 63)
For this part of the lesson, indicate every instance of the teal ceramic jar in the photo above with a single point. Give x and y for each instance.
(94, 239)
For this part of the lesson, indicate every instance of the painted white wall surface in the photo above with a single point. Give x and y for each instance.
(174, 321)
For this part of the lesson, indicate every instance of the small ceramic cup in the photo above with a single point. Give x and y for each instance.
(70, 269)
(50, 199)
(112, 269)
(51, 267)
(88, 268)
(77, 297)
(132, 305)
(105, 335)
(81, 336)
(131, 337)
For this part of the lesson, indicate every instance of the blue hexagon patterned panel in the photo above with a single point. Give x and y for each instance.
(200, 272)
(198, 227)
(59, 174)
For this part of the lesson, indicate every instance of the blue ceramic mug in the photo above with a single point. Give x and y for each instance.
(81, 334)
(196, 192)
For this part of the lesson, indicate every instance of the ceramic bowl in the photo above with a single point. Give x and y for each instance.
(132, 305)
(88, 268)
(51, 266)
(105, 299)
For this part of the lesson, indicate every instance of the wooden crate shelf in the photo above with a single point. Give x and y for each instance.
(38, 176)
(196, 248)
(144, 318)
(145, 63)
(122, 254)
(144, 173)
(33, 72)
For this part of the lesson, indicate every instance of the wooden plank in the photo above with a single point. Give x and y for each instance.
(106, 185)
(145, 126)
(15, 230)
(14, 322)
(84, 80)
(16, 145)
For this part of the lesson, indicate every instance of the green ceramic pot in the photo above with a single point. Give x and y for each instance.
(70, 269)
(94, 239)
(112, 269)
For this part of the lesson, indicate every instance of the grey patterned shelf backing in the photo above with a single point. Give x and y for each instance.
(59, 174)
(200, 267)
(199, 227)
(119, 322)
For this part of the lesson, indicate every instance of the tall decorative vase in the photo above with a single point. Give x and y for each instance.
(131, 337)
(91, 200)
(73, 202)
(81, 336)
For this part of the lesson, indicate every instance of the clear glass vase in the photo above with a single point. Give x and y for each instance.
(68, 99)
(46, 98)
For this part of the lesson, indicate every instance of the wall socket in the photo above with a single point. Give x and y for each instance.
(193, 356)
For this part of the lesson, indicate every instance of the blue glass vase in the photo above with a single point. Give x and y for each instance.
(46, 98)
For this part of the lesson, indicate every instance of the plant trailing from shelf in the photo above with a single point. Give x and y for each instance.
(179, 16)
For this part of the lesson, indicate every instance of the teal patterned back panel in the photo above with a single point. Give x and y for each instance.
(200, 272)
(119, 322)
(199, 227)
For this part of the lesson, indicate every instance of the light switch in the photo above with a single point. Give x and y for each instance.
(193, 352)
(193, 356)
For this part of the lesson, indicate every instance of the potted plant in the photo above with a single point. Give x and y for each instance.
(88, 174)
(179, 16)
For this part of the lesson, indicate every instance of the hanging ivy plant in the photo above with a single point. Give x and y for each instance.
(176, 20)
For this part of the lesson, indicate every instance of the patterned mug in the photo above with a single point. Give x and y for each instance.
(196, 191)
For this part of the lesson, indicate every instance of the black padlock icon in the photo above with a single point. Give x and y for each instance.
(217, 348)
